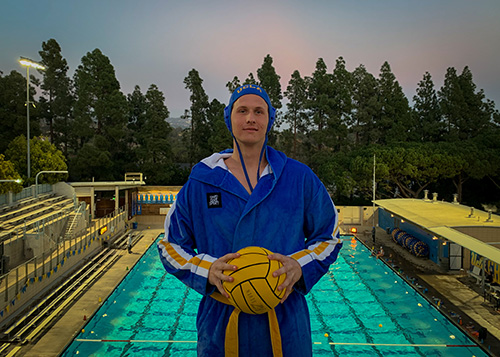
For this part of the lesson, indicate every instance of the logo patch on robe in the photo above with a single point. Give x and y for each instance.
(214, 200)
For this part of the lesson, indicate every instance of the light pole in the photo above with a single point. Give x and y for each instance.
(45, 172)
(28, 63)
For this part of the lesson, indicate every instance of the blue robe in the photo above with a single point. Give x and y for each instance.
(289, 212)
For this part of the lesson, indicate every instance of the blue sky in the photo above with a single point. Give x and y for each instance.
(159, 42)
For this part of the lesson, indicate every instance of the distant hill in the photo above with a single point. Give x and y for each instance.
(179, 123)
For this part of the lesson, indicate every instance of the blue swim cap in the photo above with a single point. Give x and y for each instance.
(249, 89)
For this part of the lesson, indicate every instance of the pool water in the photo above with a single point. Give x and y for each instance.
(359, 308)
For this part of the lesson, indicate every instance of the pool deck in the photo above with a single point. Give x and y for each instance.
(461, 298)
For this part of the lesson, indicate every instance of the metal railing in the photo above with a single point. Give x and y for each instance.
(11, 198)
(70, 231)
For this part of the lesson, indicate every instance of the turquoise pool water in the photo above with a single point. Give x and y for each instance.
(359, 308)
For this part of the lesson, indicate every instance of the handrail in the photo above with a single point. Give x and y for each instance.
(77, 215)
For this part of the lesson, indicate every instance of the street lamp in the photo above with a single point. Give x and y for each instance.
(45, 172)
(29, 63)
(16, 181)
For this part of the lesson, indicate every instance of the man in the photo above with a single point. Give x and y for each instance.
(129, 243)
(380, 253)
(252, 195)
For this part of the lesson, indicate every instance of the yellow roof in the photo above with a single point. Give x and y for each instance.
(440, 218)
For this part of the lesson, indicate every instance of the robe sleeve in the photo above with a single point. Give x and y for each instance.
(322, 245)
(178, 248)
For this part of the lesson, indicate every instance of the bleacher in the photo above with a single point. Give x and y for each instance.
(44, 239)
(26, 213)
(475, 273)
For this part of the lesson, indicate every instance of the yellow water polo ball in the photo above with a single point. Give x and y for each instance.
(254, 290)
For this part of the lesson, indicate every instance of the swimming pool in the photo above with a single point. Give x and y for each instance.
(359, 308)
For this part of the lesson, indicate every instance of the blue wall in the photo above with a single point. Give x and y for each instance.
(386, 221)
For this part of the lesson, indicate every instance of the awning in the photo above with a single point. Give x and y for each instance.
(439, 218)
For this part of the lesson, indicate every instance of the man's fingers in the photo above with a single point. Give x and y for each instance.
(221, 290)
(216, 274)
(287, 293)
(288, 282)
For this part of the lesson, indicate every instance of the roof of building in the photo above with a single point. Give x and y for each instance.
(440, 218)
(109, 185)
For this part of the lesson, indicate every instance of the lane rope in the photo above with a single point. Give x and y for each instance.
(316, 343)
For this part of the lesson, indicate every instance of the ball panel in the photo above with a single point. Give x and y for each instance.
(266, 295)
(249, 268)
(254, 289)
(246, 273)
(254, 250)
(249, 258)
(253, 301)
(237, 298)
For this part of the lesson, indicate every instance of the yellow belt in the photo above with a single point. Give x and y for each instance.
(231, 341)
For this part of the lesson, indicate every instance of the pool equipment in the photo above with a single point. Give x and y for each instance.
(412, 244)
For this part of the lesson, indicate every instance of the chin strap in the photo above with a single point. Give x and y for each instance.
(243, 162)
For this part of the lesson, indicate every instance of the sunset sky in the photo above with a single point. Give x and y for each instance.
(160, 41)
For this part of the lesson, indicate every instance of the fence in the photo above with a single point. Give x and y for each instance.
(27, 279)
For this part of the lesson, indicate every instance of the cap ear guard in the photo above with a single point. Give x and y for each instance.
(227, 118)
(272, 117)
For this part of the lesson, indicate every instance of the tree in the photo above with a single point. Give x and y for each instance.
(154, 153)
(403, 170)
(91, 163)
(296, 116)
(472, 160)
(13, 108)
(341, 105)
(101, 109)
(475, 119)
(270, 81)
(44, 157)
(320, 88)
(198, 112)
(466, 111)
(452, 102)
(232, 85)
(394, 124)
(366, 107)
(335, 173)
(8, 172)
(429, 126)
(136, 114)
(220, 137)
(57, 99)
(250, 79)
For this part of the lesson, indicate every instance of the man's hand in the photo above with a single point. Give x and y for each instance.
(216, 272)
(293, 272)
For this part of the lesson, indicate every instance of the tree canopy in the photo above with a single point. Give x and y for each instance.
(334, 120)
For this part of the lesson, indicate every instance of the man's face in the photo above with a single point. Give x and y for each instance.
(249, 119)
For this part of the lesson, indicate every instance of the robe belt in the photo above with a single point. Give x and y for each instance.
(231, 341)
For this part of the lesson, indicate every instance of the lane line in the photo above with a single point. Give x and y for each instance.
(331, 343)
(398, 344)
